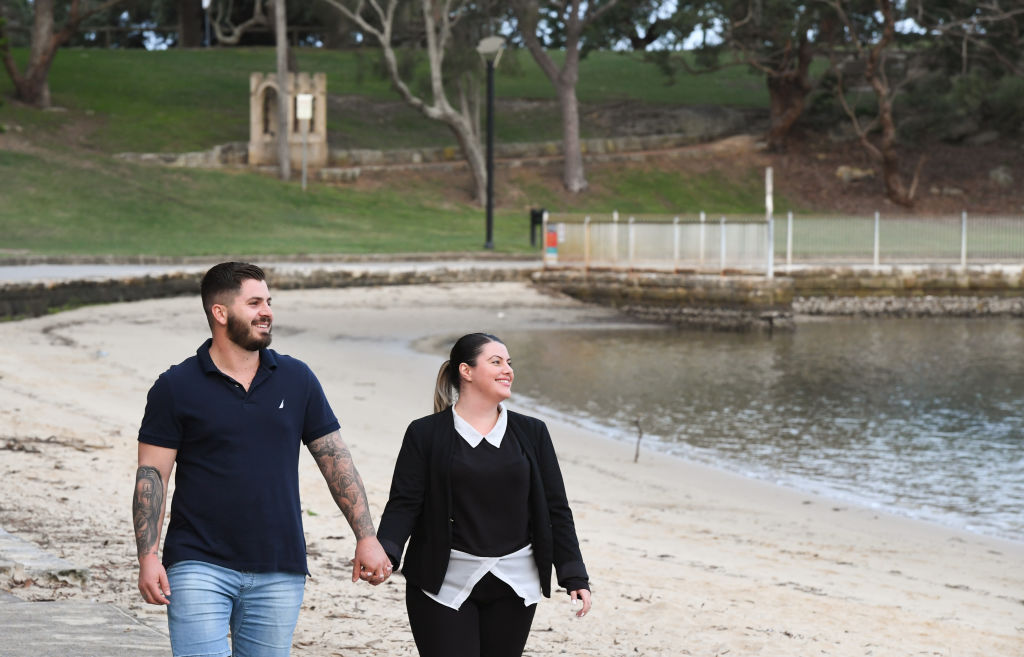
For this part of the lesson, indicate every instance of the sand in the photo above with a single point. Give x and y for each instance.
(684, 559)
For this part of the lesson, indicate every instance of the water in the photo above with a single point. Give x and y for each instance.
(923, 418)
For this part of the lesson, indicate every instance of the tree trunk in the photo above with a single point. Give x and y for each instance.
(788, 94)
(190, 23)
(788, 90)
(469, 142)
(34, 86)
(284, 96)
(572, 173)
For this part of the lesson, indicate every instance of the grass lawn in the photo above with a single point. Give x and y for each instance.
(63, 194)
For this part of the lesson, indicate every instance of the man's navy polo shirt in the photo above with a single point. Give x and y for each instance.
(236, 497)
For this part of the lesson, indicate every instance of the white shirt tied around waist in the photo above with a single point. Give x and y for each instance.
(517, 569)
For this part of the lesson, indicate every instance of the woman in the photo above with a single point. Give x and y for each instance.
(478, 489)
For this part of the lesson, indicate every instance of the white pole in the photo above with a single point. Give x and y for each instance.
(789, 240)
(305, 139)
(721, 232)
(615, 236)
(769, 210)
(586, 242)
(675, 244)
(963, 240)
(632, 242)
(702, 218)
(876, 238)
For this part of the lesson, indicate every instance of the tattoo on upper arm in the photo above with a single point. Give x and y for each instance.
(147, 507)
(335, 461)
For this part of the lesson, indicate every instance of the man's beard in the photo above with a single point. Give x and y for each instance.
(239, 333)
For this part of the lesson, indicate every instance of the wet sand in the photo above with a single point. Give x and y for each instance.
(684, 560)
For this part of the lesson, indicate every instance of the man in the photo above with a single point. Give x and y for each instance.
(232, 418)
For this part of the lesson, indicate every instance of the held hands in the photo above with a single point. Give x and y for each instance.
(580, 595)
(153, 583)
(370, 564)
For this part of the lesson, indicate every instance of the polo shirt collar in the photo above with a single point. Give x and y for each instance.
(267, 358)
(474, 437)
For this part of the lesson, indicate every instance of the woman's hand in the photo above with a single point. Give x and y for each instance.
(584, 595)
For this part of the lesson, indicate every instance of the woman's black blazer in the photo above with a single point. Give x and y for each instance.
(419, 508)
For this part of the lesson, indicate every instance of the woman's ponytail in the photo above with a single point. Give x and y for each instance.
(443, 388)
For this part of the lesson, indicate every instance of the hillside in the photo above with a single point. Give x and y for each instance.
(64, 193)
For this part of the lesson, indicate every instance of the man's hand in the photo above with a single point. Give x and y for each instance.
(370, 563)
(153, 580)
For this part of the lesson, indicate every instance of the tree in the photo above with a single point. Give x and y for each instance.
(32, 85)
(777, 38)
(283, 96)
(869, 29)
(437, 21)
(563, 26)
(190, 23)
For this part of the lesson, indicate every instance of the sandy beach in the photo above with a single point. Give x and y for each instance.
(684, 559)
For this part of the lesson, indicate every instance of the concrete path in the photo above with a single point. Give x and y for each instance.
(59, 273)
(64, 628)
(71, 628)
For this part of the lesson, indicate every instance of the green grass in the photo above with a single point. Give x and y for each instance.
(62, 193)
(184, 100)
(103, 207)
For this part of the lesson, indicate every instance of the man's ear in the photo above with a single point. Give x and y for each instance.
(220, 313)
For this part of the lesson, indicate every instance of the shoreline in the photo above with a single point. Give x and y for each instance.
(823, 490)
(684, 558)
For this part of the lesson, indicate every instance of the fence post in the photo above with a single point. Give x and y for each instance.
(586, 242)
(789, 241)
(675, 244)
(721, 232)
(769, 213)
(615, 237)
(963, 240)
(702, 218)
(876, 239)
(631, 242)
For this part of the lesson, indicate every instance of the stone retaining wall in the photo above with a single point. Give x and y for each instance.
(235, 154)
(738, 302)
(706, 301)
(35, 299)
(733, 302)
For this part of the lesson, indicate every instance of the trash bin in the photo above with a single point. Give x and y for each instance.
(536, 222)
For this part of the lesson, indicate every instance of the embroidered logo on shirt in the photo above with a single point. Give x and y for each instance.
(282, 403)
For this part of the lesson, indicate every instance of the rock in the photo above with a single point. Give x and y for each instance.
(961, 130)
(982, 138)
(1001, 176)
(952, 191)
(850, 174)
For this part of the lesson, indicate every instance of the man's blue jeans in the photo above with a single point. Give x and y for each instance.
(260, 610)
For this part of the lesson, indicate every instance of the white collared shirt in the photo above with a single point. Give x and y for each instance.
(473, 437)
(517, 569)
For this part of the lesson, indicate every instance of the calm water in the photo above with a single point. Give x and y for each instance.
(919, 417)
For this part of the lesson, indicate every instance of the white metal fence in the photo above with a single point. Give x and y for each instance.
(716, 243)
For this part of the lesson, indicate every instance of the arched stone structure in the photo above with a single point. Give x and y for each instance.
(263, 96)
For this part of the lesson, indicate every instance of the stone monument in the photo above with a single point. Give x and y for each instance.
(263, 99)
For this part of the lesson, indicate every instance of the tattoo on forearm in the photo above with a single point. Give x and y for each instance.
(343, 479)
(147, 506)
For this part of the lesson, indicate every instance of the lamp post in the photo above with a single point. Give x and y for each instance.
(206, 21)
(490, 49)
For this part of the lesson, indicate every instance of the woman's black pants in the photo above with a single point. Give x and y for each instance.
(492, 622)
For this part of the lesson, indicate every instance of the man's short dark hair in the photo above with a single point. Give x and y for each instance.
(224, 281)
